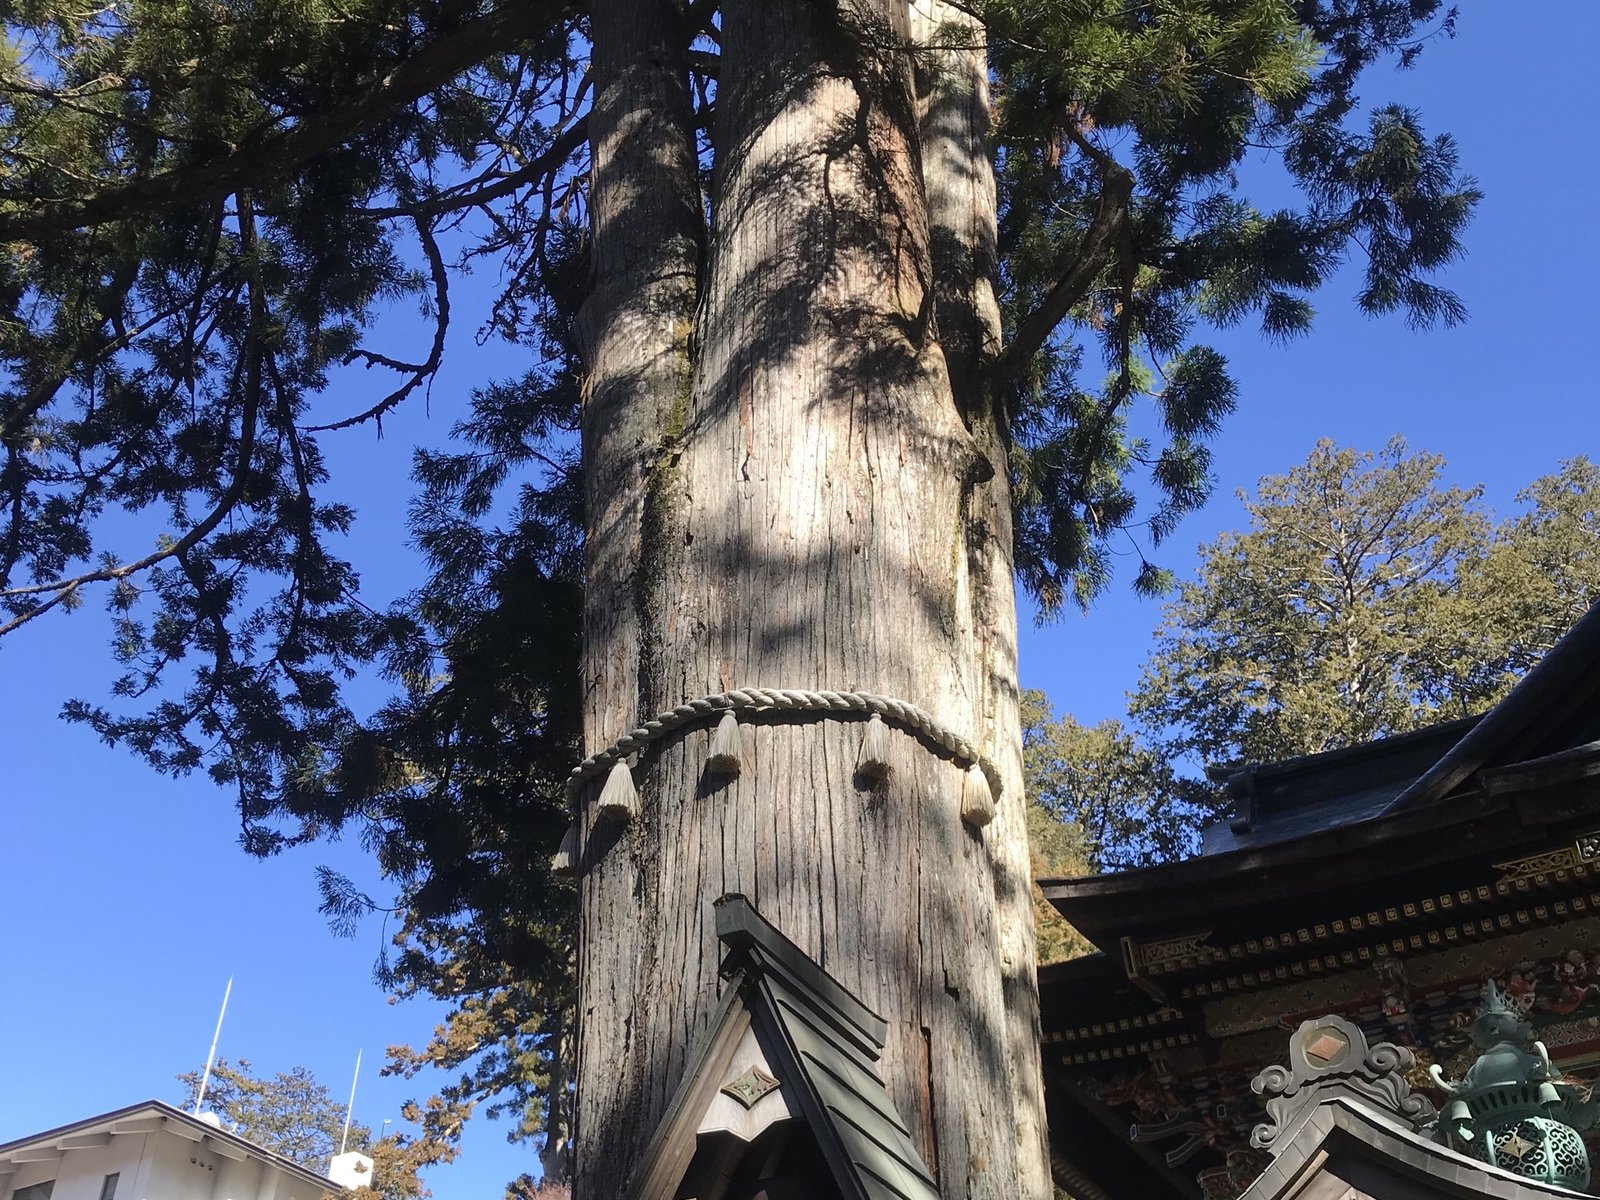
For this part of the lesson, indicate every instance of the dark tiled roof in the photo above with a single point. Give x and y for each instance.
(1274, 802)
(1550, 710)
(1364, 816)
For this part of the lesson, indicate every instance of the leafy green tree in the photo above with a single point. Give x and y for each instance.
(1543, 571)
(459, 777)
(294, 1115)
(1055, 844)
(291, 1114)
(1119, 799)
(1098, 800)
(208, 212)
(1364, 600)
(1327, 622)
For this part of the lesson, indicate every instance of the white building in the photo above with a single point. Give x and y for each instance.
(151, 1151)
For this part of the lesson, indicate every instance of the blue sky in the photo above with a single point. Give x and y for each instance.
(125, 902)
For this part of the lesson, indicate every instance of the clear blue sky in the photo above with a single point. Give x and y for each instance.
(125, 902)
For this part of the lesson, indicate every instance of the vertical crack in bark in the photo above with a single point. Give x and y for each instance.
(931, 1121)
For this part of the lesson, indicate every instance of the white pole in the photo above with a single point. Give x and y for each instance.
(205, 1079)
(349, 1108)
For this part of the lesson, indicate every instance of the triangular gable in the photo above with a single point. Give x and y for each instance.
(1343, 1121)
(788, 1043)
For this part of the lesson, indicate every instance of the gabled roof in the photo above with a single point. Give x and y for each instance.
(1279, 801)
(1553, 707)
(819, 1043)
(151, 1116)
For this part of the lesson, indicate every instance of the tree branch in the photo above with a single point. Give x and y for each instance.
(45, 390)
(64, 589)
(1077, 276)
(275, 156)
(421, 371)
(562, 148)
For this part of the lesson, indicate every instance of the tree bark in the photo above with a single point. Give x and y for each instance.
(646, 243)
(820, 516)
(953, 86)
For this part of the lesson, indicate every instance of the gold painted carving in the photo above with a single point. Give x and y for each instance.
(1156, 957)
(1544, 863)
(1230, 1016)
(1585, 848)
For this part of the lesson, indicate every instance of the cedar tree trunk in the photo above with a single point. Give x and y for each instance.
(795, 482)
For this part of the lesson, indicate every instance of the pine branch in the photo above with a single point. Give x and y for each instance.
(277, 156)
(569, 141)
(1076, 276)
(420, 371)
(65, 589)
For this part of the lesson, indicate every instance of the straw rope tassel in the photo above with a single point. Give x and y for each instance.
(725, 759)
(565, 860)
(873, 760)
(977, 801)
(618, 798)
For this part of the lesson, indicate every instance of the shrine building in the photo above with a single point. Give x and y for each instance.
(1365, 915)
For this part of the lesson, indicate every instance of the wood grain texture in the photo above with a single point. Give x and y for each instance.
(958, 174)
(814, 527)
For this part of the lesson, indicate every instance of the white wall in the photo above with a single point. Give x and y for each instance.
(79, 1174)
(161, 1166)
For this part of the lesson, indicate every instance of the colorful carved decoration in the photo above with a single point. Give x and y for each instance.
(1551, 977)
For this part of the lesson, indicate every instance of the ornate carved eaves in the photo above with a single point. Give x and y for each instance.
(1585, 848)
(1329, 1056)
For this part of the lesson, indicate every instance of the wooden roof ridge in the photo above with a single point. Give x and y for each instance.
(1567, 675)
(1342, 1128)
(821, 1043)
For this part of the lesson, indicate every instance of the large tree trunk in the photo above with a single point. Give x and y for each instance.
(646, 234)
(958, 173)
(822, 515)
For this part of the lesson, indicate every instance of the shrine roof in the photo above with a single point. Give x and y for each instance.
(1344, 1142)
(1279, 801)
(1362, 821)
(821, 1043)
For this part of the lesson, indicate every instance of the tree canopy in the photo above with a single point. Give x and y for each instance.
(293, 1114)
(1364, 599)
(1332, 620)
(208, 213)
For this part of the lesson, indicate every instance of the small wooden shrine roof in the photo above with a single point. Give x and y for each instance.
(820, 1042)
(1343, 1124)
(1346, 1150)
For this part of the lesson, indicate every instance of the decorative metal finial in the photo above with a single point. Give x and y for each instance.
(1510, 1109)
